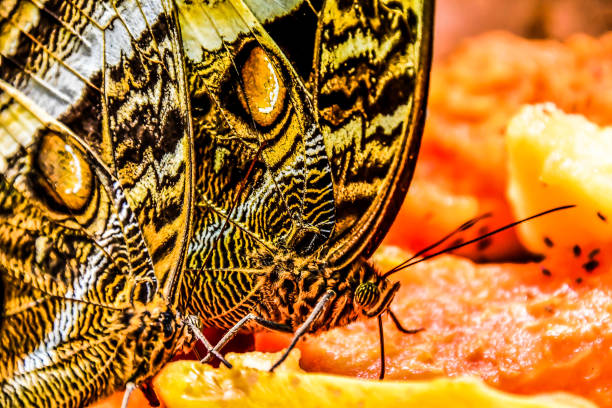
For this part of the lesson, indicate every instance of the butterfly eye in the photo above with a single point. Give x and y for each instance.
(263, 90)
(367, 294)
(66, 176)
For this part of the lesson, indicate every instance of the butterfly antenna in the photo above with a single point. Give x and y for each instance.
(463, 227)
(413, 260)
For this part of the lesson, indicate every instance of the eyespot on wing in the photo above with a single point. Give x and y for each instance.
(66, 177)
(263, 93)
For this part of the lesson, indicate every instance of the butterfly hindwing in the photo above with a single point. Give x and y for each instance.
(263, 184)
(366, 64)
(95, 195)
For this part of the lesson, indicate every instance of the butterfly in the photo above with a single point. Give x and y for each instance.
(95, 197)
(296, 186)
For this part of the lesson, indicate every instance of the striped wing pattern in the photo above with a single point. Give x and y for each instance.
(94, 196)
(371, 87)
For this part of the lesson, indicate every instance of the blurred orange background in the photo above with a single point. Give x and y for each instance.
(456, 19)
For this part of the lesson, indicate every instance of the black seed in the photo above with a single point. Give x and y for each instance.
(484, 244)
(546, 272)
(579, 280)
(456, 242)
(590, 266)
(548, 242)
(577, 251)
(594, 253)
(601, 216)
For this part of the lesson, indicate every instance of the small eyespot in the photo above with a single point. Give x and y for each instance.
(366, 294)
(66, 176)
(263, 89)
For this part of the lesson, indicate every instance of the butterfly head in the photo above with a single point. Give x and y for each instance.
(373, 293)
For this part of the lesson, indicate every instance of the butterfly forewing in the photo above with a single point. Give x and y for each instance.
(371, 78)
(263, 180)
(258, 110)
(95, 196)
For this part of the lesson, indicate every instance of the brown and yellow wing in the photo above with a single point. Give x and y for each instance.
(263, 181)
(370, 86)
(251, 111)
(111, 73)
(366, 64)
(95, 188)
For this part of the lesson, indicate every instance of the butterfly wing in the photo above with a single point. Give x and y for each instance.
(94, 133)
(149, 130)
(263, 180)
(238, 76)
(370, 84)
(366, 64)
(67, 332)
(111, 73)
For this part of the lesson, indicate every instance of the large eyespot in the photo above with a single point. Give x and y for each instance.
(263, 93)
(66, 177)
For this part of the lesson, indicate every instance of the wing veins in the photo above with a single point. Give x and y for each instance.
(301, 212)
(49, 52)
(61, 22)
(58, 297)
(37, 79)
(208, 205)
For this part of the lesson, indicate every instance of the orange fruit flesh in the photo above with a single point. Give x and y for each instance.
(461, 171)
(190, 384)
(509, 324)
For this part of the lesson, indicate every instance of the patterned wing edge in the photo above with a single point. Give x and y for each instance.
(361, 237)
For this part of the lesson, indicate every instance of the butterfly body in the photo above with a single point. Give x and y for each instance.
(290, 295)
(363, 96)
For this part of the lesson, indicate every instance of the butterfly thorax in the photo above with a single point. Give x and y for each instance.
(289, 295)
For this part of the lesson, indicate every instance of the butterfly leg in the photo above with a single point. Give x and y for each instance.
(212, 351)
(231, 333)
(401, 328)
(305, 327)
(129, 387)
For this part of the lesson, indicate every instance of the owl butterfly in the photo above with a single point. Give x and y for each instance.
(296, 186)
(95, 196)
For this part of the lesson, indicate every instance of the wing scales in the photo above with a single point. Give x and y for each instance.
(86, 288)
(370, 88)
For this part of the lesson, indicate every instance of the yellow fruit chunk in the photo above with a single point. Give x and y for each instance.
(188, 384)
(557, 159)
